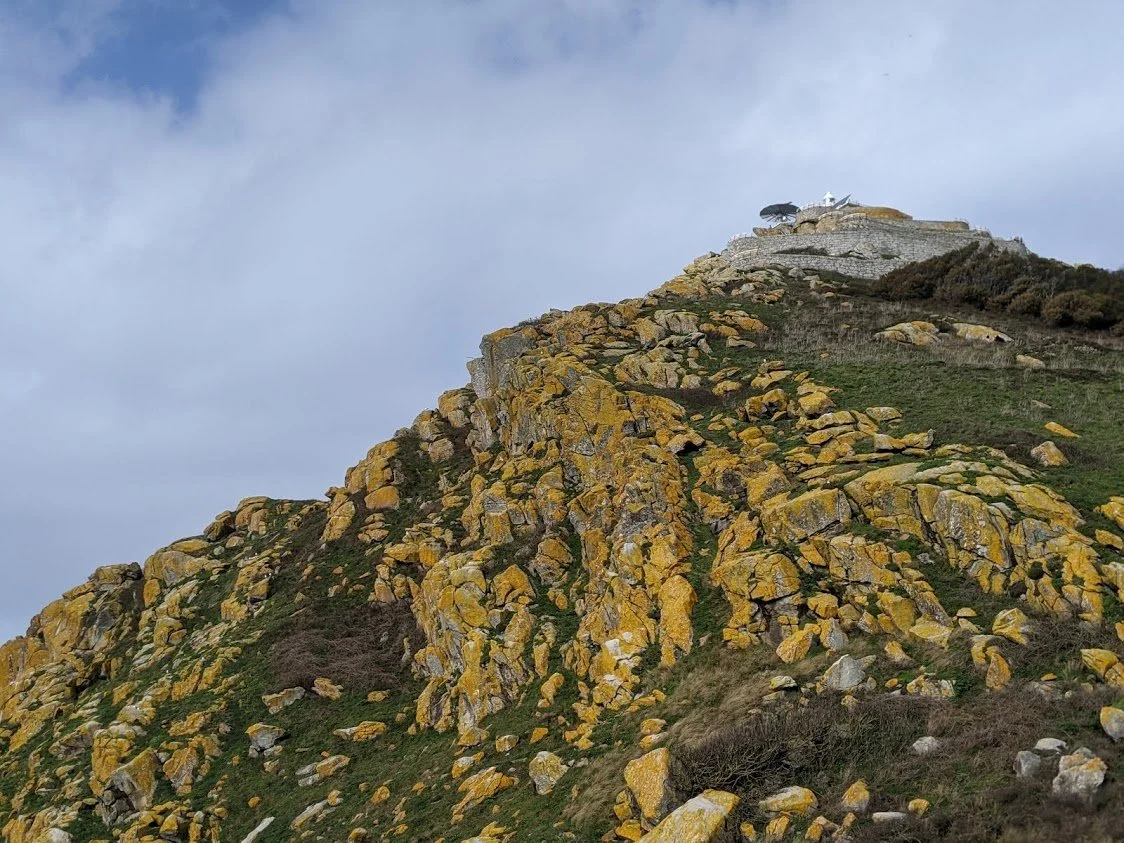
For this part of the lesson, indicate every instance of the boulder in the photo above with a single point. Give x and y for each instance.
(1027, 763)
(926, 745)
(1012, 624)
(648, 779)
(1048, 455)
(545, 770)
(1028, 362)
(480, 787)
(1050, 745)
(910, 333)
(705, 818)
(282, 699)
(857, 797)
(263, 736)
(1060, 430)
(1079, 775)
(889, 816)
(845, 674)
(1112, 721)
(978, 333)
(792, 800)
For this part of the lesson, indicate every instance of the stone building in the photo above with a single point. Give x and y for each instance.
(855, 240)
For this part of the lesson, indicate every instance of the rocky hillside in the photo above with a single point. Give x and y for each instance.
(754, 557)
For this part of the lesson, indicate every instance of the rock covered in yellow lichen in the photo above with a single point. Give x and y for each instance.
(648, 780)
(706, 818)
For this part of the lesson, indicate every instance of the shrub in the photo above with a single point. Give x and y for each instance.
(989, 278)
(770, 750)
(358, 646)
(1075, 307)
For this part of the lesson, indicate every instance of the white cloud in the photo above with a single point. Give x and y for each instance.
(241, 299)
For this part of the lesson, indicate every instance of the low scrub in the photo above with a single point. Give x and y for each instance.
(799, 745)
(358, 646)
(969, 780)
(986, 277)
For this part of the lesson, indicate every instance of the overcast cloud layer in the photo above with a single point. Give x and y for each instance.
(234, 279)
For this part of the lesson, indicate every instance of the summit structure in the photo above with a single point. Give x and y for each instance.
(854, 240)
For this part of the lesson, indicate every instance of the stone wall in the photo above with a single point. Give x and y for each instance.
(861, 246)
(851, 267)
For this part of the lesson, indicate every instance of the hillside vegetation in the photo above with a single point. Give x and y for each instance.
(760, 556)
(993, 279)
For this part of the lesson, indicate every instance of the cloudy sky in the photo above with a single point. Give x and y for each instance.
(243, 240)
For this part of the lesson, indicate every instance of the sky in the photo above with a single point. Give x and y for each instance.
(241, 241)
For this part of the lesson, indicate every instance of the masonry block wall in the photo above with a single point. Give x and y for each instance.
(859, 246)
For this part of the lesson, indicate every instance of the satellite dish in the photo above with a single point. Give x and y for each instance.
(780, 212)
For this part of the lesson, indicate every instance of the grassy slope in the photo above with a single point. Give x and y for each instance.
(965, 395)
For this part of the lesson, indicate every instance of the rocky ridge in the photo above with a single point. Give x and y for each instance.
(622, 490)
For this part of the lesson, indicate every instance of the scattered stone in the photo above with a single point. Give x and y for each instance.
(792, 800)
(888, 816)
(545, 770)
(910, 333)
(925, 745)
(365, 731)
(1079, 775)
(282, 699)
(263, 737)
(918, 807)
(1059, 430)
(857, 797)
(884, 414)
(1112, 721)
(480, 787)
(818, 828)
(1027, 763)
(978, 333)
(896, 654)
(1012, 624)
(706, 818)
(1107, 539)
(327, 689)
(1050, 745)
(1048, 455)
(1113, 510)
(258, 830)
(1028, 362)
(777, 829)
(313, 773)
(845, 674)
(648, 779)
(316, 809)
(463, 764)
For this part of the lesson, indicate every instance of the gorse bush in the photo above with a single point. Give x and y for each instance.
(992, 279)
(358, 646)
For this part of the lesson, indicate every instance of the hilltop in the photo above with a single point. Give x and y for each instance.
(774, 552)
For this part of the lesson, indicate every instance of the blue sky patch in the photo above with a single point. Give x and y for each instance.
(160, 47)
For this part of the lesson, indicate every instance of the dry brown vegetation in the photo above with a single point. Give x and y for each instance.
(969, 780)
(810, 744)
(359, 646)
